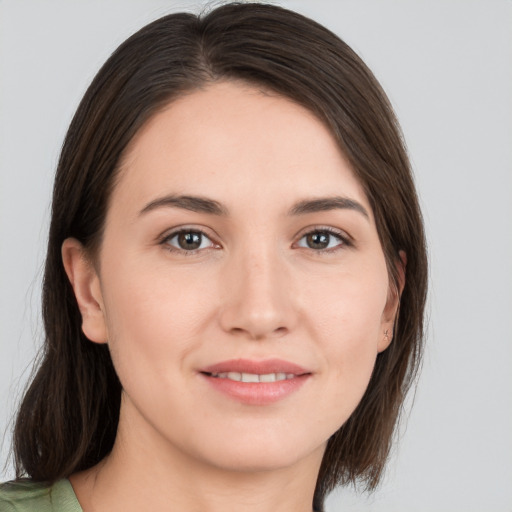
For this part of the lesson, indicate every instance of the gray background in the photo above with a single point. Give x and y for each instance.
(447, 67)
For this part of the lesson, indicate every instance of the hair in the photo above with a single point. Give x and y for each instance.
(68, 418)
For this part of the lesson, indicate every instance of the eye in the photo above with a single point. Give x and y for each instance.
(322, 240)
(188, 240)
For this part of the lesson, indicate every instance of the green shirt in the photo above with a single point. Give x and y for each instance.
(27, 496)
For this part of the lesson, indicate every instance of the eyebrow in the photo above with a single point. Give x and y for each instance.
(192, 203)
(212, 207)
(328, 203)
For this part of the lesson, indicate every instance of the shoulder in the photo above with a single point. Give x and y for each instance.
(28, 496)
(23, 495)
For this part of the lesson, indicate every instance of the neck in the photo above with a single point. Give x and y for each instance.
(146, 472)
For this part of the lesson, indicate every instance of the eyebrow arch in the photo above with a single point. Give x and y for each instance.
(328, 203)
(192, 203)
(210, 206)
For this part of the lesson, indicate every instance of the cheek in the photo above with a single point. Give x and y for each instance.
(153, 316)
(347, 322)
(349, 307)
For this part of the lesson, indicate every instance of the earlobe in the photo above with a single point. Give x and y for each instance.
(392, 310)
(86, 284)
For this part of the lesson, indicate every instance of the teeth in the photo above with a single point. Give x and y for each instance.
(254, 377)
(250, 377)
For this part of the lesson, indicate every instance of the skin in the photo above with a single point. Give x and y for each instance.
(255, 289)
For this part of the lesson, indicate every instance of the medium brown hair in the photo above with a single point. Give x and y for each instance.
(68, 418)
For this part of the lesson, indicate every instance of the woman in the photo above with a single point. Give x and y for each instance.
(235, 280)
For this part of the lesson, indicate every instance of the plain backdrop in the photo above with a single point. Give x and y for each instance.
(447, 68)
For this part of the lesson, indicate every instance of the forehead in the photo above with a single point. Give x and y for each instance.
(233, 141)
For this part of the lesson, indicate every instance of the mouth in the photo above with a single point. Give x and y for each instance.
(253, 377)
(280, 368)
(255, 382)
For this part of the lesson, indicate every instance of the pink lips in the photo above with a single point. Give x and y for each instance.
(256, 393)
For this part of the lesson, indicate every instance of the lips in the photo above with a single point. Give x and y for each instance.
(255, 382)
(253, 377)
(255, 367)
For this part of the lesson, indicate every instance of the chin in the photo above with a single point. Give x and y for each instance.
(260, 453)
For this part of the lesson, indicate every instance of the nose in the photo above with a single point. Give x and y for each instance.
(257, 297)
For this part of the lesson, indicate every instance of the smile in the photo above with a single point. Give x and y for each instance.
(254, 377)
(255, 382)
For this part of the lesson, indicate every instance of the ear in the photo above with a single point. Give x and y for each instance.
(392, 309)
(86, 285)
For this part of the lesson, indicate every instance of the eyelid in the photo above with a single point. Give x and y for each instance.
(169, 234)
(345, 238)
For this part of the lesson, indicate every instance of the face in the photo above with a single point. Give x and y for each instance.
(240, 284)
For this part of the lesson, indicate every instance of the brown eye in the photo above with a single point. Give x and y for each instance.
(188, 241)
(320, 240)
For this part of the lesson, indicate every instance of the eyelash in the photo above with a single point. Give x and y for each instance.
(344, 240)
(165, 241)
